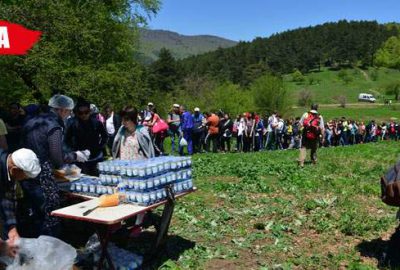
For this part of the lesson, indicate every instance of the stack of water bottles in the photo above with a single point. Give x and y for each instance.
(143, 181)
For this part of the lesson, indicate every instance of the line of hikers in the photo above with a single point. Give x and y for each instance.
(211, 132)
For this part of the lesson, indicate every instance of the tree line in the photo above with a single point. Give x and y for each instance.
(330, 44)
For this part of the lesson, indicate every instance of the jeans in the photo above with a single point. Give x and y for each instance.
(174, 133)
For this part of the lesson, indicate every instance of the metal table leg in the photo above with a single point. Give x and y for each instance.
(166, 217)
(104, 235)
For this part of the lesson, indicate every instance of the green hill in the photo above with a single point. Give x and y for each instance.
(327, 84)
(181, 46)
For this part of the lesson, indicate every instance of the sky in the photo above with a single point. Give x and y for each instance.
(247, 19)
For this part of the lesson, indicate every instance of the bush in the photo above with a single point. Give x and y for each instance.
(298, 77)
(393, 89)
(305, 98)
(344, 76)
(342, 100)
(374, 74)
(270, 94)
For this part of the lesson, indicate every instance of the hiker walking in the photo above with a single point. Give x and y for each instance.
(312, 125)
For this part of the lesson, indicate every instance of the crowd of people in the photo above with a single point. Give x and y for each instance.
(68, 132)
(201, 131)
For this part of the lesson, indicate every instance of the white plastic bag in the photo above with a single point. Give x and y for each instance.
(183, 142)
(43, 253)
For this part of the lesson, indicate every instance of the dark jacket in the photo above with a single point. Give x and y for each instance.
(37, 134)
(7, 194)
(90, 135)
(4, 183)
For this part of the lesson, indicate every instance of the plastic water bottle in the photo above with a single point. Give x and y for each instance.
(157, 181)
(159, 193)
(142, 184)
(153, 196)
(146, 198)
(150, 183)
(163, 179)
(139, 197)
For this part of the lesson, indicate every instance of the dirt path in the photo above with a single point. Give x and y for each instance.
(365, 74)
(348, 105)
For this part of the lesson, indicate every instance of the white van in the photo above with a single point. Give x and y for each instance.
(366, 97)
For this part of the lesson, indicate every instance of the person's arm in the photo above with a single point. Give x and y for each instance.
(69, 134)
(8, 207)
(322, 126)
(103, 136)
(3, 142)
(56, 155)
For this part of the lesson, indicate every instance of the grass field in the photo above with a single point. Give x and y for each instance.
(260, 211)
(328, 85)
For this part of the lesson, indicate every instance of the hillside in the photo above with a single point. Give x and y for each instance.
(342, 43)
(327, 84)
(181, 46)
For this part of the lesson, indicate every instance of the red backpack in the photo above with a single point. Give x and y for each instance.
(311, 126)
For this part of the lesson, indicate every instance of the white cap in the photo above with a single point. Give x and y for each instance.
(93, 108)
(150, 104)
(27, 161)
(176, 105)
(61, 102)
(196, 109)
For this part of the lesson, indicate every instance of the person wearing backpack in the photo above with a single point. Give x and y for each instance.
(392, 130)
(313, 127)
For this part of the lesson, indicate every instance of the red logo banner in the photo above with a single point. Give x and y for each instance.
(16, 39)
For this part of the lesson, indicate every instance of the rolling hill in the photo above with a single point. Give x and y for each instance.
(181, 46)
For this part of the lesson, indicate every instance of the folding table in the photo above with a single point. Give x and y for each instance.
(109, 219)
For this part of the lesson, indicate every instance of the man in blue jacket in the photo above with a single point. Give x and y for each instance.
(186, 130)
(20, 165)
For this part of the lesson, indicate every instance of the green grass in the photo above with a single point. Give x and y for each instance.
(329, 85)
(260, 211)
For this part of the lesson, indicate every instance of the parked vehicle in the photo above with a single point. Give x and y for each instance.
(366, 98)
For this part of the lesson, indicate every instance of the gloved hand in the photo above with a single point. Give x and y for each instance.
(86, 153)
(81, 156)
